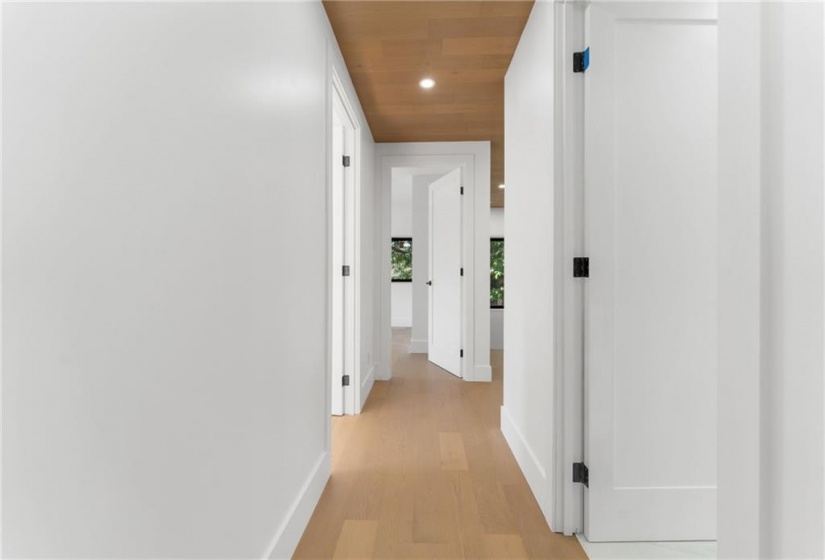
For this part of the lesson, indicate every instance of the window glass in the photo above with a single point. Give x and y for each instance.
(497, 272)
(401, 259)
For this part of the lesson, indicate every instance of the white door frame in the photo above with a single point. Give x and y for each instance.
(474, 159)
(568, 438)
(352, 256)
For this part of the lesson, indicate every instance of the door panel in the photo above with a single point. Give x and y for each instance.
(445, 277)
(650, 207)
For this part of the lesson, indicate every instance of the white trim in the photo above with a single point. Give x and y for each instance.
(568, 444)
(1, 286)
(292, 528)
(474, 159)
(366, 388)
(482, 373)
(419, 347)
(528, 462)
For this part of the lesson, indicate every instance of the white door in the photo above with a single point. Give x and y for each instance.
(650, 207)
(445, 272)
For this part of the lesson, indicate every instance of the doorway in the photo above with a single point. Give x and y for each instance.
(425, 311)
(342, 279)
(473, 158)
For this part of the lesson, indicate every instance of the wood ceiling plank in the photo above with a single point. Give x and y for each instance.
(348, 10)
(431, 122)
(456, 89)
(379, 63)
(496, 61)
(401, 96)
(410, 78)
(410, 47)
(508, 8)
(492, 109)
(474, 46)
(476, 27)
(480, 96)
(381, 110)
(418, 29)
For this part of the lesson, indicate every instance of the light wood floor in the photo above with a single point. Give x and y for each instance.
(424, 472)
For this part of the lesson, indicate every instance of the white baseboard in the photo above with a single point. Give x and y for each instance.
(528, 462)
(482, 373)
(366, 388)
(381, 373)
(291, 530)
(419, 347)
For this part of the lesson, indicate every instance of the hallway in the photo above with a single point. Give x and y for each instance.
(425, 472)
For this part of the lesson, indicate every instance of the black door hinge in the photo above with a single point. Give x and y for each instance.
(345, 270)
(581, 60)
(346, 161)
(345, 381)
(462, 271)
(461, 354)
(581, 474)
(462, 190)
(581, 267)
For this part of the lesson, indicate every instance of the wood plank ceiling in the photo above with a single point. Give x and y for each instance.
(465, 46)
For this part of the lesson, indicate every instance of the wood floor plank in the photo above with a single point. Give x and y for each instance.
(365, 499)
(500, 547)
(357, 540)
(525, 509)
(424, 472)
(453, 457)
(493, 508)
(434, 519)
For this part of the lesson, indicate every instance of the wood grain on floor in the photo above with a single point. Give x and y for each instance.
(424, 472)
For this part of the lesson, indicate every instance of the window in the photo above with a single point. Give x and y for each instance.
(497, 272)
(401, 259)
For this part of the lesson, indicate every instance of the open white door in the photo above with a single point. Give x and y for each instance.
(651, 237)
(445, 272)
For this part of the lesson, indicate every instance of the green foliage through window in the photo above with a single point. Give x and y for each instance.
(401, 259)
(497, 272)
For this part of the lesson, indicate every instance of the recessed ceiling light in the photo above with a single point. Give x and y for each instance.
(501, 186)
(427, 83)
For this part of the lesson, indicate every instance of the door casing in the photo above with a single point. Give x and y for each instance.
(340, 105)
(474, 160)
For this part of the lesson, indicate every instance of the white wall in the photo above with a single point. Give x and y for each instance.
(497, 315)
(165, 277)
(402, 304)
(496, 222)
(369, 272)
(772, 279)
(529, 332)
(496, 329)
(402, 203)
